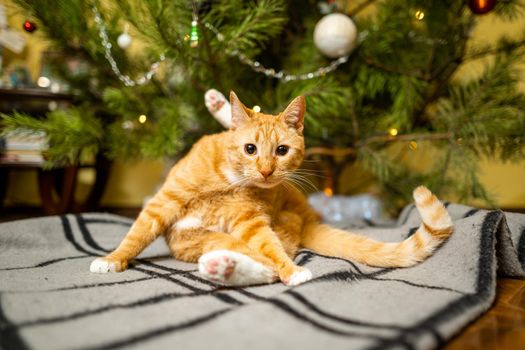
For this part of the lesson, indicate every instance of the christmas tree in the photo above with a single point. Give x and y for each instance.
(373, 94)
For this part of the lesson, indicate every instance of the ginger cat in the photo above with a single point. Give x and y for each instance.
(228, 205)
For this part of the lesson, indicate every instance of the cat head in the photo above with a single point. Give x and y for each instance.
(265, 149)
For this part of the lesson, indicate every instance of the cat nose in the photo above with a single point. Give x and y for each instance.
(266, 172)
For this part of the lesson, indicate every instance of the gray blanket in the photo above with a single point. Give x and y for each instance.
(50, 300)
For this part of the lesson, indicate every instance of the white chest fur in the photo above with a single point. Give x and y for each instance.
(188, 222)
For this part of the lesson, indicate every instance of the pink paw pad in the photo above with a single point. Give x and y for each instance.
(220, 268)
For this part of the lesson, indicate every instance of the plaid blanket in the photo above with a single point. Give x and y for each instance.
(50, 300)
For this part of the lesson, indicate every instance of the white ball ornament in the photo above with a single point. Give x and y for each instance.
(335, 35)
(124, 40)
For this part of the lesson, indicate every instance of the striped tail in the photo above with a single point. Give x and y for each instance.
(436, 226)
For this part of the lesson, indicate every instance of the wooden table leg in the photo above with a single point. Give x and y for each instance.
(4, 178)
(102, 168)
(65, 199)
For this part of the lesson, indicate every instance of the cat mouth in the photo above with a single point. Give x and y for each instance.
(266, 183)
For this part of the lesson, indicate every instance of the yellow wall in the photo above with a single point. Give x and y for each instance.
(131, 182)
(505, 181)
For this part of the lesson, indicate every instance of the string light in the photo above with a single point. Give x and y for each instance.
(272, 73)
(193, 38)
(392, 131)
(328, 192)
(256, 66)
(256, 109)
(43, 82)
(142, 119)
(109, 56)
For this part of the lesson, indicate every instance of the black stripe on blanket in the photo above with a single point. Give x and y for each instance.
(9, 339)
(277, 303)
(134, 339)
(299, 306)
(521, 248)
(88, 239)
(485, 283)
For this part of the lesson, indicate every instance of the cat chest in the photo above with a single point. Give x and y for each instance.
(219, 213)
(206, 222)
(215, 215)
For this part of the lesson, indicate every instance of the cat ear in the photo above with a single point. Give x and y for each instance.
(294, 114)
(239, 114)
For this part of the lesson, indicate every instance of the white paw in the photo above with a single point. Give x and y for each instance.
(234, 269)
(100, 265)
(214, 100)
(299, 277)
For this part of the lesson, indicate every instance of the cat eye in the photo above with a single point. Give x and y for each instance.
(250, 148)
(282, 150)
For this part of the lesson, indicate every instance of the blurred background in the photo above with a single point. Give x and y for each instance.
(100, 98)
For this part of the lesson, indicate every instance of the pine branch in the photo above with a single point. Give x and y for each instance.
(383, 139)
(506, 47)
(405, 137)
(389, 69)
(360, 7)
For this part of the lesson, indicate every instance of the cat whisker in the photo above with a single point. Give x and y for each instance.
(310, 174)
(304, 183)
(294, 181)
(296, 184)
(304, 180)
(239, 182)
(287, 185)
(311, 170)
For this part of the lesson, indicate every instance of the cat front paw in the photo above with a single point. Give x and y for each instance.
(296, 276)
(105, 265)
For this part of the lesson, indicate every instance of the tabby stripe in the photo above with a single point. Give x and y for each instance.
(244, 217)
(251, 229)
(154, 216)
(438, 233)
(173, 196)
(418, 242)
